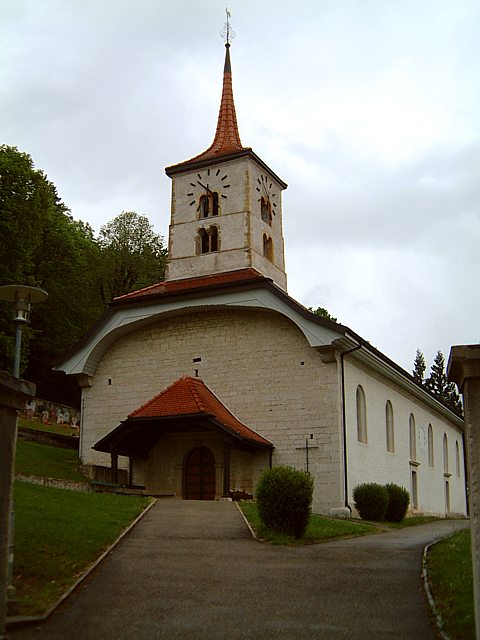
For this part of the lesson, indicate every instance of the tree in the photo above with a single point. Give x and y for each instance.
(437, 380)
(41, 245)
(439, 386)
(323, 313)
(419, 367)
(133, 255)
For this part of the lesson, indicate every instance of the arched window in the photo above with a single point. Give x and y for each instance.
(445, 453)
(203, 241)
(207, 240)
(413, 437)
(361, 416)
(457, 458)
(266, 210)
(430, 445)
(389, 427)
(208, 204)
(213, 233)
(204, 206)
(267, 247)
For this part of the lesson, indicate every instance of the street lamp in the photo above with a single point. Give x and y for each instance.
(22, 297)
(13, 393)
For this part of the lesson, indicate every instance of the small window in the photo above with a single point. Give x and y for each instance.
(266, 210)
(445, 453)
(389, 427)
(213, 233)
(457, 459)
(208, 205)
(414, 489)
(267, 247)
(361, 416)
(431, 460)
(413, 437)
(207, 240)
(203, 236)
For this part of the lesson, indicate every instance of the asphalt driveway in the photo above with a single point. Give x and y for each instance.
(191, 570)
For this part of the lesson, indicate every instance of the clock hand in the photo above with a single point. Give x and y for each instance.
(202, 185)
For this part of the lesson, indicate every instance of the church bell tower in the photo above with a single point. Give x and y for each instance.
(226, 211)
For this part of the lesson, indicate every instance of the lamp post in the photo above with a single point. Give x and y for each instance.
(13, 394)
(22, 297)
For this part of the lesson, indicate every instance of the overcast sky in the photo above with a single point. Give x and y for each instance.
(368, 109)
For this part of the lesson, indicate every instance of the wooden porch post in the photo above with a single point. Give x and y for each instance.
(226, 472)
(114, 467)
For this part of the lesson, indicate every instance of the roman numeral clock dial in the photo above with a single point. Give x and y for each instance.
(208, 190)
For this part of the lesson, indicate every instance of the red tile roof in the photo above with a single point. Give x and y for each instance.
(201, 282)
(191, 397)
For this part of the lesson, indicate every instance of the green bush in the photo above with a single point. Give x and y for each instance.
(398, 501)
(371, 501)
(284, 498)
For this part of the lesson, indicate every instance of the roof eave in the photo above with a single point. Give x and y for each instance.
(195, 163)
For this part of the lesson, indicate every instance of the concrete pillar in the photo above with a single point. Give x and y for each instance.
(13, 395)
(464, 369)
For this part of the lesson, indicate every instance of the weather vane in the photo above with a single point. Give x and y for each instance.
(227, 32)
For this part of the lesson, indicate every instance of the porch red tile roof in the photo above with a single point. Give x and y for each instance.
(191, 397)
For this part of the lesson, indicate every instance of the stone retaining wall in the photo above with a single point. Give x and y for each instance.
(46, 437)
(71, 485)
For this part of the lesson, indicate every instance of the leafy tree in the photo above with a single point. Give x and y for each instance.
(133, 255)
(41, 245)
(419, 367)
(323, 313)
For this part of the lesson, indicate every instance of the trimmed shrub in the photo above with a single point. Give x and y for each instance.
(284, 498)
(371, 501)
(398, 501)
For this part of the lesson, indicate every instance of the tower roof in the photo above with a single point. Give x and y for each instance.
(227, 138)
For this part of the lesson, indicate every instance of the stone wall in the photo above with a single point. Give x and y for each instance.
(47, 437)
(259, 365)
(239, 223)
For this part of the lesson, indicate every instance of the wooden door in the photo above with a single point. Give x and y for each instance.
(200, 475)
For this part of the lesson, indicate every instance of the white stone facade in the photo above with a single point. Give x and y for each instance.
(372, 462)
(260, 366)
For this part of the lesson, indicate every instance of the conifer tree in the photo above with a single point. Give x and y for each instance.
(437, 381)
(443, 390)
(419, 367)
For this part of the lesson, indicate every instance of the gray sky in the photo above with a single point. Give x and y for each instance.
(368, 109)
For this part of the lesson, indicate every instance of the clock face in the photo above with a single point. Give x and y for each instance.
(207, 189)
(266, 194)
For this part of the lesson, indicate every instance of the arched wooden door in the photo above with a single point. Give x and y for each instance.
(200, 475)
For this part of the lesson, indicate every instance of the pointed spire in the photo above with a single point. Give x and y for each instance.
(227, 139)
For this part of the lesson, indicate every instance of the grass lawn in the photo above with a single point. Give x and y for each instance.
(58, 534)
(42, 460)
(319, 527)
(451, 583)
(63, 429)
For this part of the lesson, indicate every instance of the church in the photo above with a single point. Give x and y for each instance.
(193, 386)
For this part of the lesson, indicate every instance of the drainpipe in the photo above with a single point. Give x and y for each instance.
(344, 425)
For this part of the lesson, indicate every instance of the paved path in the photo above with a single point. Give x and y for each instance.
(190, 570)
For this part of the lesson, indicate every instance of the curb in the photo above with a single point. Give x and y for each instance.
(252, 532)
(426, 586)
(17, 621)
